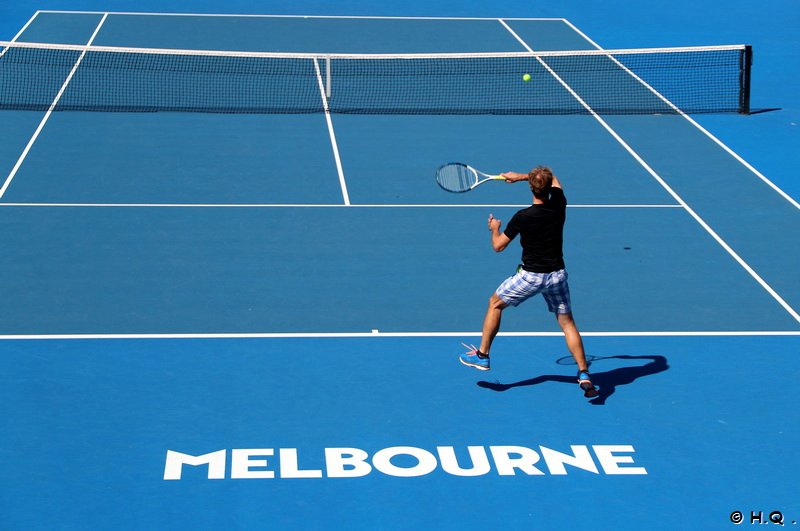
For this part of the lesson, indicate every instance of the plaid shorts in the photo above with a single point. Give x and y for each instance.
(524, 285)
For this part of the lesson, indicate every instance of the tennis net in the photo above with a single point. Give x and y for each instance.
(640, 81)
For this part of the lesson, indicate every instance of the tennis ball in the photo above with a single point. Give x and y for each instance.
(526, 77)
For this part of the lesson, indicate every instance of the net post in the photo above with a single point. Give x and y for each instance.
(328, 76)
(747, 63)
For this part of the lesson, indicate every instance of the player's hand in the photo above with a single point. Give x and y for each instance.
(494, 223)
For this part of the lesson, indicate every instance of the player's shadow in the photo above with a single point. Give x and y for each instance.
(607, 381)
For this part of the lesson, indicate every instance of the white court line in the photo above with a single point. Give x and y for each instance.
(334, 145)
(36, 133)
(20, 32)
(253, 15)
(694, 123)
(300, 205)
(378, 334)
(664, 184)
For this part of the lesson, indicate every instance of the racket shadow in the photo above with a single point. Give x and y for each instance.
(607, 381)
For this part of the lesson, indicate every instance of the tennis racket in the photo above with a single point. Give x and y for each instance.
(457, 177)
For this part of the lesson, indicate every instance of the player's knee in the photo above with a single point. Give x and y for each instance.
(565, 320)
(496, 303)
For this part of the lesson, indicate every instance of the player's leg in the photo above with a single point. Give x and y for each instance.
(491, 322)
(479, 357)
(513, 291)
(573, 339)
(556, 293)
(575, 346)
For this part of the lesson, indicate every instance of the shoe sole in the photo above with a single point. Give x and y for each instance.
(590, 392)
(480, 368)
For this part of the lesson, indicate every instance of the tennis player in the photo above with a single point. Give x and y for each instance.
(541, 231)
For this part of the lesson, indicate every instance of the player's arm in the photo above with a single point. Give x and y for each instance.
(513, 177)
(499, 240)
(556, 183)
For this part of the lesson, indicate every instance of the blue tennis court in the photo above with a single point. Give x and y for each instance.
(253, 320)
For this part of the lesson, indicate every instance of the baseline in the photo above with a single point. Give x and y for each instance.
(377, 333)
(252, 15)
(302, 205)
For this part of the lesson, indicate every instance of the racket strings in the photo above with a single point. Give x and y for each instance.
(456, 177)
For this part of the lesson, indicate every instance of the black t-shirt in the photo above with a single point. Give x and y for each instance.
(541, 230)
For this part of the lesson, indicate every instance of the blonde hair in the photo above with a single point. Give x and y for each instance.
(541, 179)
